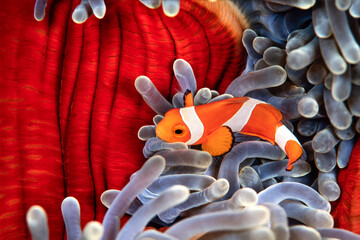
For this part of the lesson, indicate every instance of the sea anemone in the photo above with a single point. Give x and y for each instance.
(302, 59)
(230, 219)
(239, 166)
(69, 110)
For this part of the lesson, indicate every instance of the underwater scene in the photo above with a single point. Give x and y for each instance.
(180, 119)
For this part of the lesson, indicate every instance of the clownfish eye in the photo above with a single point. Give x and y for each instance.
(178, 131)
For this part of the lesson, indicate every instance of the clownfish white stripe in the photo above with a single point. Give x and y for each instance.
(283, 135)
(241, 117)
(193, 122)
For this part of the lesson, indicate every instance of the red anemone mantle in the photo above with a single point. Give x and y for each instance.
(69, 111)
(346, 211)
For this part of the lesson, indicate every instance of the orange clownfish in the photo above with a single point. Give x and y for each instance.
(212, 124)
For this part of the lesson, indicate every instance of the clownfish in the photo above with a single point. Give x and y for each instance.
(212, 125)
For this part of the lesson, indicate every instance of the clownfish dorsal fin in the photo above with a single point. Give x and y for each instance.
(219, 142)
(188, 98)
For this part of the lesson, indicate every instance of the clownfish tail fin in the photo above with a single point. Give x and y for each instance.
(288, 143)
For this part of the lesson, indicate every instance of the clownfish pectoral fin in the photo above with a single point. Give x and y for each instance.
(219, 142)
(188, 99)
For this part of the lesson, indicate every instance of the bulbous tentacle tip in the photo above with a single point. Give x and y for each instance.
(79, 17)
(153, 4)
(142, 83)
(82, 12)
(37, 223)
(93, 230)
(39, 9)
(39, 16)
(99, 11)
(35, 214)
(171, 8)
(98, 7)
